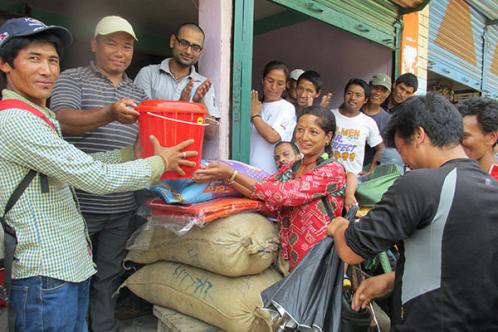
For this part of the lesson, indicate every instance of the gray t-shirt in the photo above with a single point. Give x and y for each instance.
(85, 88)
(382, 119)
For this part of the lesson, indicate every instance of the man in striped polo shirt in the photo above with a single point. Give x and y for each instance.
(95, 106)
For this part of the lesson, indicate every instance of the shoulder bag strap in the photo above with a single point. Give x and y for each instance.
(21, 187)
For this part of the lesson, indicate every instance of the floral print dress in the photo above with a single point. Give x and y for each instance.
(299, 206)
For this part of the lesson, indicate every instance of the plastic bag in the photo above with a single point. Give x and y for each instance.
(181, 218)
(310, 297)
(186, 191)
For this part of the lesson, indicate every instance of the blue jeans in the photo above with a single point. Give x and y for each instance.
(391, 156)
(48, 304)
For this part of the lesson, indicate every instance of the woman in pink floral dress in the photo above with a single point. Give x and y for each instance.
(297, 191)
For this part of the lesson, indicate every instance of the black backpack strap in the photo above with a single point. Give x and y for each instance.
(328, 208)
(44, 183)
(21, 187)
(325, 201)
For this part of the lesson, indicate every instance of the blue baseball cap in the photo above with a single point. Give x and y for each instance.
(27, 26)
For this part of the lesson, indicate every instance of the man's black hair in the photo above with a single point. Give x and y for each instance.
(192, 26)
(313, 77)
(438, 117)
(292, 144)
(360, 82)
(485, 110)
(10, 50)
(408, 79)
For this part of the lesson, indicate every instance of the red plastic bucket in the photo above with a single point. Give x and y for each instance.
(172, 122)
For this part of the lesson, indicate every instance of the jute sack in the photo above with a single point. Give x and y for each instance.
(242, 244)
(232, 304)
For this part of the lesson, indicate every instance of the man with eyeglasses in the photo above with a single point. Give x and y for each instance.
(175, 78)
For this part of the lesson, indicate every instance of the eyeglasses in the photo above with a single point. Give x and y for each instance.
(186, 44)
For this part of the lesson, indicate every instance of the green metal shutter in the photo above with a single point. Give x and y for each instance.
(456, 41)
(376, 20)
(490, 73)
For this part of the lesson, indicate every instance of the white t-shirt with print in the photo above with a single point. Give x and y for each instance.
(281, 116)
(348, 145)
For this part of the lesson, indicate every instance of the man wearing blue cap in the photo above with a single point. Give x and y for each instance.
(46, 235)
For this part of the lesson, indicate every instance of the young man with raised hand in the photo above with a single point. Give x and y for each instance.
(309, 88)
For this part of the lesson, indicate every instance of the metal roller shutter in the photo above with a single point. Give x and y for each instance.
(490, 73)
(456, 41)
(376, 20)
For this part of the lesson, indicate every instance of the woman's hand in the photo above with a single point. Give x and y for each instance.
(256, 105)
(213, 171)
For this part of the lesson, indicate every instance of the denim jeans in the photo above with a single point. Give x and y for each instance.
(48, 304)
(391, 156)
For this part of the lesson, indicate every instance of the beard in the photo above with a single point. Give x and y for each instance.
(182, 62)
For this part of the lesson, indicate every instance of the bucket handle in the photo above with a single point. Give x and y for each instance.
(176, 120)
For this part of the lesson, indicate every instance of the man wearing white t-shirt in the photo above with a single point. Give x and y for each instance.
(354, 129)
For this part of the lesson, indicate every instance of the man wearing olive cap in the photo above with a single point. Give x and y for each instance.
(380, 87)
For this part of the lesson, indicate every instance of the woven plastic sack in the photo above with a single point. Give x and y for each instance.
(232, 304)
(242, 244)
(370, 191)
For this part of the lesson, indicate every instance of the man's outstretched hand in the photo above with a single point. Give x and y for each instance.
(173, 158)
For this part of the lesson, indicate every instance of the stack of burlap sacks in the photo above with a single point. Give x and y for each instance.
(213, 273)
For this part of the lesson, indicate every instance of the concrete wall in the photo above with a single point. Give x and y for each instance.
(337, 55)
(215, 17)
